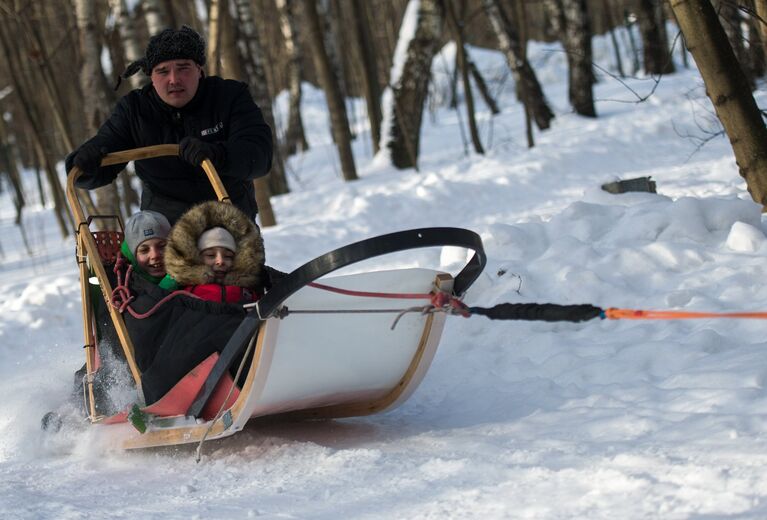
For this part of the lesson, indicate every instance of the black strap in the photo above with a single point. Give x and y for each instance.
(377, 246)
(234, 346)
(336, 259)
(539, 312)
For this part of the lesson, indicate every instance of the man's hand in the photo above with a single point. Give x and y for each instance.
(193, 151)
(88, 157)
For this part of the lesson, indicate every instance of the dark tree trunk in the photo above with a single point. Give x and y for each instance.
(731, 19)
(24, 94)
(482, 87)
(369, 67)
(760, 8)
(756, 57)
(657, 58)
(457, 29)
(521, 16)
(523, 73)
(572, 23)
(8, 165)
(338, 120)
(610, 24)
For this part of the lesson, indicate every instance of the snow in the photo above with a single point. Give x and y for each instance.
(603, 419)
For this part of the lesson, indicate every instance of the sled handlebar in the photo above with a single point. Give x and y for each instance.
(148, 152)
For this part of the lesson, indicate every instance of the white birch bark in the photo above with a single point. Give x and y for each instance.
(127, 32)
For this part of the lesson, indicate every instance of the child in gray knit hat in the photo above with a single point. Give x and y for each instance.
(146, 234)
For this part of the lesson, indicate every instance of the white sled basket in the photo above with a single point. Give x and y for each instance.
(323, 365)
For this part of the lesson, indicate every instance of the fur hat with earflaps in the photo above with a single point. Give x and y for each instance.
(170, 44)
(182, 255)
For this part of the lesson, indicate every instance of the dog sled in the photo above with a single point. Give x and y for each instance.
(315, 346)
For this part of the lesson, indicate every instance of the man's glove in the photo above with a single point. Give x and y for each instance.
(193, 151)
(88, 157)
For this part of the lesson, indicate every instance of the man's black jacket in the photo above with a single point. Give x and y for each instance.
(222, 111)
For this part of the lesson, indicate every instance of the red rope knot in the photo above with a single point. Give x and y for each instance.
(121, 295)
(449, 303)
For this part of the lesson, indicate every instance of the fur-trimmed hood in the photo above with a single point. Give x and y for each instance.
(182, 259)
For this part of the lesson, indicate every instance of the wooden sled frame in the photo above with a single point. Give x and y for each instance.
(88, 258)
(262, 323)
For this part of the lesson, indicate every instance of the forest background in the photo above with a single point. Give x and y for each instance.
(58, 54)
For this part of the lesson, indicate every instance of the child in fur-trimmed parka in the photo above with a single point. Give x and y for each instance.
(216, 252)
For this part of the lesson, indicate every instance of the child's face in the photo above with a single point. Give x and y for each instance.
(150, 256)
(219, 259)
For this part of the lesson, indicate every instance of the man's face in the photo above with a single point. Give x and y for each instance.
(176, 81)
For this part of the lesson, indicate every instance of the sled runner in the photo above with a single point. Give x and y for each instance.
(345, 345)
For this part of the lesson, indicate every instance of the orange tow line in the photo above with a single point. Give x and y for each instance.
(633, 314)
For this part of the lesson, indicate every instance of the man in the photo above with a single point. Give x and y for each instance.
(209, 117)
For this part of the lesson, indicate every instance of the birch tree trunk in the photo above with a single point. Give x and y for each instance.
(238, 63)
(253, 60)
(232, 67)
(154, 14)
(132, 51)
(333, 94)
(295, 138)
(524, 75)
(96, 91)
(728, 89)
(127, 31)
(409, 82)
(213, 64)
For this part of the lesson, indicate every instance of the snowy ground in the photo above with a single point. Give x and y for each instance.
(604, 419)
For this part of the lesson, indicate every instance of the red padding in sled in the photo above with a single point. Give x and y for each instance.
(179, 398)
(116, 418)
(219, 395)
(108, 244)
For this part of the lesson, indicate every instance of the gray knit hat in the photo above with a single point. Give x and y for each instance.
(145, 225)
(170, 44)
(216, 237)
